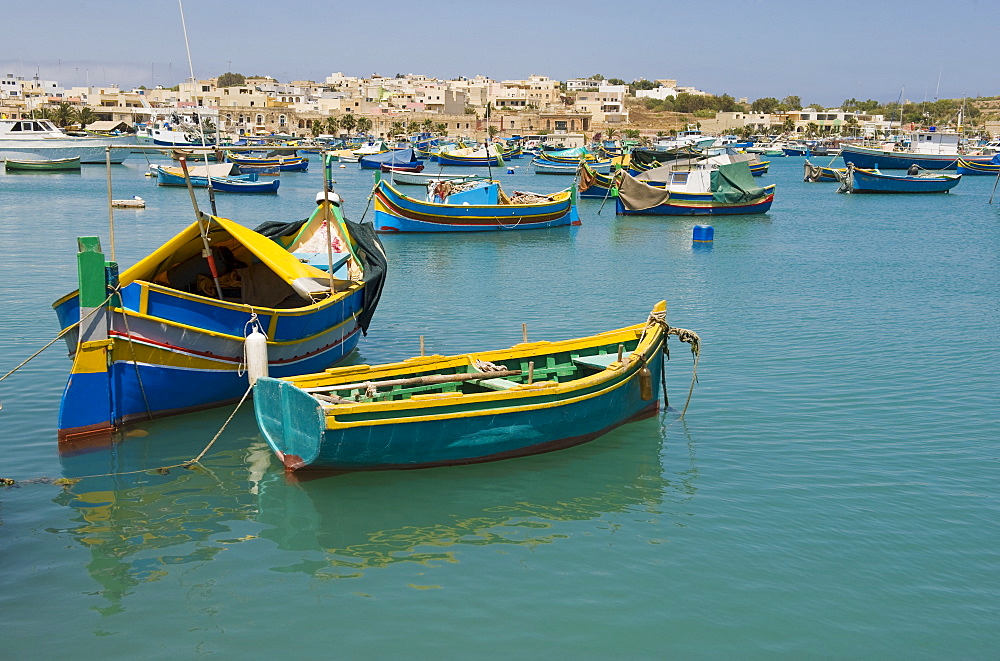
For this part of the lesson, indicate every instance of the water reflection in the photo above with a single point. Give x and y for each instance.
(140, 526)
(143, 527)
(348, 524)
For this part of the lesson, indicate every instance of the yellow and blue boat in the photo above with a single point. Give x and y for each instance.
(282, 162)
(479, 207)
(471, 156)
(979, 168)
(443, 410)
(167, 336)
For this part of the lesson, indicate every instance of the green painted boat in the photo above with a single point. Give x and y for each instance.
(44, 165)
(442, 410)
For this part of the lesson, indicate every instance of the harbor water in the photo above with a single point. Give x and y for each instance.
(833, 490)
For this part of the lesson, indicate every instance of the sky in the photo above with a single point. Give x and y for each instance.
(822, 51)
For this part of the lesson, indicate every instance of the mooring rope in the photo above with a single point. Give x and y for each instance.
(61, 334)
(67, 482)
(684, 335)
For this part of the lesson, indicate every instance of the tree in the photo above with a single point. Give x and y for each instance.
(851, 123)
(643, 84)
(64, 114)
(428, 124)
(811, 129)
(765, 105)
(492, 131)
(348, 122)
(596, 76)
(632, 134)
(817, 106)
(332, 125)
(230, 79)
(612, 133)
(441, 128)
(412, 126)
(86, 116)
(364, 125)
(396, 128)
(616, 81)
(793, 102)
(316, 127)
(788, 125)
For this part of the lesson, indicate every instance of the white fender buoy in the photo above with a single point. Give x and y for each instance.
(255, 346)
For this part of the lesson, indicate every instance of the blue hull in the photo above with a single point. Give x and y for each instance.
(386, 222)
(868, 182)
(875, 159)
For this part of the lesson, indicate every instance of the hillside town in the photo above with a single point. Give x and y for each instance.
(383, 106)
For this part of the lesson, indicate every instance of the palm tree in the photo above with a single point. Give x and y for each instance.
(364, 124)
(492, 131)
(86, 116)
(332, 125)
(396, 128)
(412, 126)
(43, 112)
(428, 124)
(315, 128)
(612, 133)
(64, 115)
(441, 128)
(348, 122)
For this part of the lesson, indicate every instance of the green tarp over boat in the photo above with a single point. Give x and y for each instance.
(734, 183)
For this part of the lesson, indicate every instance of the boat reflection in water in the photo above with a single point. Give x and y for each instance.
(158, 528)
(369, 520)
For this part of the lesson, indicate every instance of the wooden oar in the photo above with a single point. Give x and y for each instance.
(429, 380)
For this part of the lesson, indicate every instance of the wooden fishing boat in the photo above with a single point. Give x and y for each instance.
(856, 180)
(567, 156)
(393, 158)
(423, 178)
(480, 206)
(43, 165)
(443, 410)
(470, 156)
(546, 167)
(977, 168)
(244, 183)
(283, 163)
(593, 184)
(816, 173)
(705, 191)
(170, 336)
(413, 168)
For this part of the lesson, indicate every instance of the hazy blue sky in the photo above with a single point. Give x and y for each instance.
(822, 51)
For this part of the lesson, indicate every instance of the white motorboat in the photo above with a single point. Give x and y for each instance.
(40, 139)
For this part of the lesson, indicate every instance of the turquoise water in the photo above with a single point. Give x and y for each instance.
(831, 493)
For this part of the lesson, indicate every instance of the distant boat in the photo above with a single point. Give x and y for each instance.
(244, 183)
(43, 165)
(423, 178)
(816, 173)
(40, 139)
(856, 180)
(393, 158)
(930, 150)
(283, 163)
(470, 156)
(171, 338)
(977, 168)
(447, 410)
(706, 191)
(545, 167)
(471, 207)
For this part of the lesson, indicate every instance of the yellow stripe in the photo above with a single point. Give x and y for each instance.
(332, 411)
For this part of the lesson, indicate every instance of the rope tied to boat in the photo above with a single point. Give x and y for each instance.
(58, 337)
(682, 334)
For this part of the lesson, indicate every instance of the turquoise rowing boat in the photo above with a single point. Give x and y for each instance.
(441, 410)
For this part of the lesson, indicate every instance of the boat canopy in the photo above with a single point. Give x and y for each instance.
(399, 156)
(733, 183)
(178, 263)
